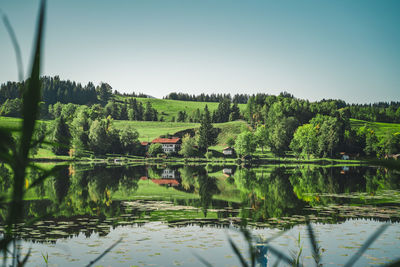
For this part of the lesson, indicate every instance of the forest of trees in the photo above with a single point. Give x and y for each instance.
(81, 134)
(259, 105)
(54, 90)
(281, 123)
(69, 92)
(238, 98)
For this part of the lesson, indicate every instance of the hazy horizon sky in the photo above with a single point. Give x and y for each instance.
(312, 49)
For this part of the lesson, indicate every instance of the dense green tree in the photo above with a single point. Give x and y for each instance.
(230, 142)
(354, 142)
(11, 108)
(188, 148)
(61, 136)
(328, 139)
(112, 109)
(96, 112)
(150, 113)
(55, 110)
(235, 112)
(223, 111)
(280, 134)
(182, 116)
(389, 144)
(99, 141)
(124, 112)
(207, 136)
(245, 143)
(305, 141)
(155, 149)
(196, 116)
(129, 139)
(68, 111)
(80, 132)
(104, 92)
(251, 109)
(261, 136)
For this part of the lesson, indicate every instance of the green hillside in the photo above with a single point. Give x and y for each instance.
(148, 130)
(169, 108)
(380, 128)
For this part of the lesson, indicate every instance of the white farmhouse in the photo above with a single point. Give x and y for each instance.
(169, 145)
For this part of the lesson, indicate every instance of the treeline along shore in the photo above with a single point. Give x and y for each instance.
(88, 121)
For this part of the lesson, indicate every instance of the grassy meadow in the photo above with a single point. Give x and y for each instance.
(380, 128)
(148, 130)
(169, 108)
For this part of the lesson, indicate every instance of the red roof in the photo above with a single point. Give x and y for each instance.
(165, 181)
(144, 143)
(173, 140)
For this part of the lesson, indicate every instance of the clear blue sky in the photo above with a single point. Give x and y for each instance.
(312, 49)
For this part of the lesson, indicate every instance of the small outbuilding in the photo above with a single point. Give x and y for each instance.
(228, 151)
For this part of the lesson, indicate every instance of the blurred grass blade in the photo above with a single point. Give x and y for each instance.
(238, 253)
(24, 261)
(44, 175)
(280, 255)
(30, 107)
(277, 263)
(15, 44)
(313, 241)
(31, 95)
(206, 263)
(366, 245)
(247, 235)
(104, 253)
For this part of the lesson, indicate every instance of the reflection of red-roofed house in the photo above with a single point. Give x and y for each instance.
(169, 182)
(169, 145)
(227, 172)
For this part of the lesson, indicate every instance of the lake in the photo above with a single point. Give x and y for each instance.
(176, 215)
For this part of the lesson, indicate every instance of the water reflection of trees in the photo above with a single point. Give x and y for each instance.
(207, 188)
(268, 193)
(197, 180)
(382, 179)
(74, 191)
(321, 186)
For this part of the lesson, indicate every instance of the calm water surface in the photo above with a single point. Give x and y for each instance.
(171, 215)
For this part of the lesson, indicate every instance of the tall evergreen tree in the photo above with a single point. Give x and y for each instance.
(61, 136)
(235, 112)
(207, 136)
(124, 112)
(104, 91)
